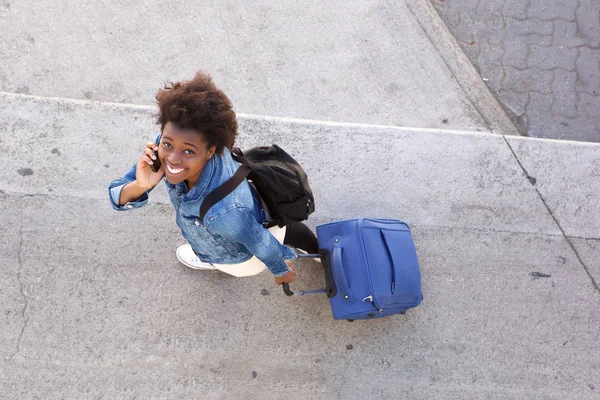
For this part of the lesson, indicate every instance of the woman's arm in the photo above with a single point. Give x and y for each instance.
(240, 226)
(137, 182)
(131, 192)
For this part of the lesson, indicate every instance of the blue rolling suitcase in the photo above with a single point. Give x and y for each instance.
(371, 268)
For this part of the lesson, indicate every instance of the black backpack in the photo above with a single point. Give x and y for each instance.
(279, 179)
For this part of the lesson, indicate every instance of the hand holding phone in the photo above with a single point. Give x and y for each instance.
(148, 177)
(155, 163)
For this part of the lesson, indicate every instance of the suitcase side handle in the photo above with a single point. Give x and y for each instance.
(339, 274)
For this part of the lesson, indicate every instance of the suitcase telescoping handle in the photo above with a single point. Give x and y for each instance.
(329, 283)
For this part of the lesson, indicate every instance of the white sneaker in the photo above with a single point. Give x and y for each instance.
(187, 257)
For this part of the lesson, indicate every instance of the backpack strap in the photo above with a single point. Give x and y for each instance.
(222, 191)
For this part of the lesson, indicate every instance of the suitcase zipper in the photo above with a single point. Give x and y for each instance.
(368, 273)
(370, 298)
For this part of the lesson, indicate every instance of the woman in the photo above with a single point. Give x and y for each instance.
(198, 130)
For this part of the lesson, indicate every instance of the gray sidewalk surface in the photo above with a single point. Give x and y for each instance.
(97, 306)
(541, 58)
(390, 119)
(354, 61)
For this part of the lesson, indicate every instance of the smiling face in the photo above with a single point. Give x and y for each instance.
(183, 153)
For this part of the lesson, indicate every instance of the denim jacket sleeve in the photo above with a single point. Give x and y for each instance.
(116, 186)
(240, 226)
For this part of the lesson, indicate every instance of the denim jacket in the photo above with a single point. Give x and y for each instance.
(231, 231)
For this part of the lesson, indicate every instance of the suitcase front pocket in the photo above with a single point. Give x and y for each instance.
(393, 267)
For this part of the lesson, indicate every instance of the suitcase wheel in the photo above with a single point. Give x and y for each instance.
(350, 320)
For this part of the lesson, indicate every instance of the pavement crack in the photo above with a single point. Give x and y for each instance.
(25, 299)
(553, 98)
(578, 82)
(64, 196)
(577, 31)
(542, 69)
(564, 235)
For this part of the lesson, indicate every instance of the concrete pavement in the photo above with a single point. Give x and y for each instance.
(96, 305)
(354, 61)
(541, 58)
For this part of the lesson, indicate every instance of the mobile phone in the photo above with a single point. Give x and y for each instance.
(155, 163)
